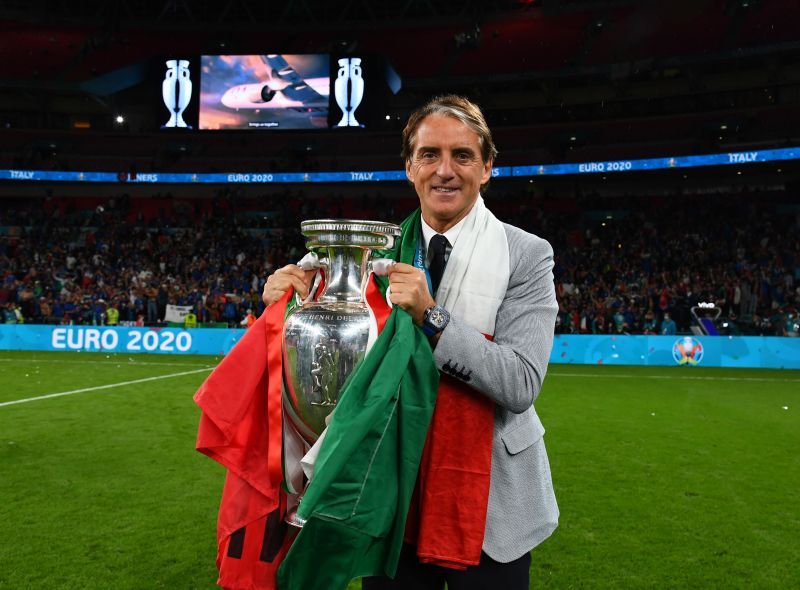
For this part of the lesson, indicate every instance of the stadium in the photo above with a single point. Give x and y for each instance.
(157, 160)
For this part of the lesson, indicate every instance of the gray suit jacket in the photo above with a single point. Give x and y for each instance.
(510, 370)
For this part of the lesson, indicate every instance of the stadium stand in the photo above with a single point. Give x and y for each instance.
(562, 81)
(621, 263)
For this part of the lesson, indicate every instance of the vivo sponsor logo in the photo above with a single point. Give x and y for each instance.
(110, 339)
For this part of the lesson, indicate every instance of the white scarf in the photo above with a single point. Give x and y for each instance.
(475, 279)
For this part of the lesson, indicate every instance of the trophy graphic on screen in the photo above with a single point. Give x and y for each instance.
(176, 89)
(349, 90)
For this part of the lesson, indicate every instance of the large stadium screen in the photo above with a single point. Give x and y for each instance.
(264, 91)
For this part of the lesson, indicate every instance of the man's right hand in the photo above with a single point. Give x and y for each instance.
(282, 279)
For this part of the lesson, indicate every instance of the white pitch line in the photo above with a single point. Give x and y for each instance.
(110, 386)
(682, 377)
(103, 362)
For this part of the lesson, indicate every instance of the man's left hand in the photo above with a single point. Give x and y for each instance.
(409, 290)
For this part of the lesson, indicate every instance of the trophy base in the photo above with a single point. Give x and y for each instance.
(293, 519)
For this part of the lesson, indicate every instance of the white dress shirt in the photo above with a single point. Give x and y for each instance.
(451, 234)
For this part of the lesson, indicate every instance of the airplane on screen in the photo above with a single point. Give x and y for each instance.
(284, 88)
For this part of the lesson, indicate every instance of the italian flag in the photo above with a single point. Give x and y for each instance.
(385, 452)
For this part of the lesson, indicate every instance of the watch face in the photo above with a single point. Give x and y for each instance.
(437, 318)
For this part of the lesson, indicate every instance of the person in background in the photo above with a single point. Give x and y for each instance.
(248, 320)
(190, 321)
(9, 315)
(112, 315)
(45, 310)
(668, 326)
(650, 323)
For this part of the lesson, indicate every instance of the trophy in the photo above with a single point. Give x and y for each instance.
(349, 90)
(176, 90)
(324, 340)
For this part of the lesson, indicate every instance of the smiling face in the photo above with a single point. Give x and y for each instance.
(447, 170)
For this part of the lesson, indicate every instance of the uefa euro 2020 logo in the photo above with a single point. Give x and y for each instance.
(687, 351)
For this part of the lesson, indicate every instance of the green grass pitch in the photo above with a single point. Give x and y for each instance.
(666, 477)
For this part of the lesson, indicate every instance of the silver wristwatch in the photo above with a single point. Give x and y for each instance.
(436, 318)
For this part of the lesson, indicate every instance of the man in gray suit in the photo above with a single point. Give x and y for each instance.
(449, 153)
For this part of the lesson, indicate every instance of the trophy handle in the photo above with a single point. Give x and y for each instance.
(324, 266)
(380, 266)
(311, 261)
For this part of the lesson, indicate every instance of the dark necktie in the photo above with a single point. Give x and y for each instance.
(438, 248)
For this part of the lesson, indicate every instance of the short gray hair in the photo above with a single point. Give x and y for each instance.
(457, 107)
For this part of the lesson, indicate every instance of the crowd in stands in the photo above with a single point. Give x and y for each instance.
(643, 266)
(76, 266)
(622, 265)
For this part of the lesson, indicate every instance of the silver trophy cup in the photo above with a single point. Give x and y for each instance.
(324, 340)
